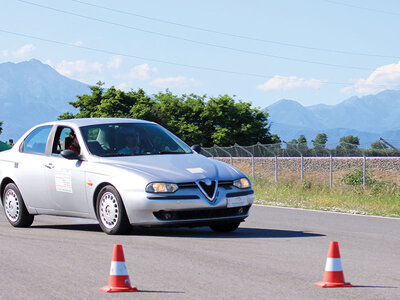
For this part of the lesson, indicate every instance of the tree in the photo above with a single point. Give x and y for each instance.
(348, 146)
(1, 124)
(350, 140)
(378, 145)
(275, 139)
(302, 146)
(302, 139)
(320, 140)
(231, 122)
(112, 103)
(196, 119)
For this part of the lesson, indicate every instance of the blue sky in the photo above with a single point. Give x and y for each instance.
(311, 51)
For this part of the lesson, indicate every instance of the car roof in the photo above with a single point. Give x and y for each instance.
(95, 121)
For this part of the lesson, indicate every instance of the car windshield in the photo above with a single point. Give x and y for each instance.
(129, 139)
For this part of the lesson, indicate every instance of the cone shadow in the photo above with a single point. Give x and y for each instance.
(161, 292)
(376, 286)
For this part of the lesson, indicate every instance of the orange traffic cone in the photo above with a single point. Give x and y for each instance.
(333, 275)
(119, 278)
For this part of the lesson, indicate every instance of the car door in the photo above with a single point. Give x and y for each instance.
(30, 167)
(66, 178)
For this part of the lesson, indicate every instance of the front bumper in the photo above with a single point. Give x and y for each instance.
(188, 208)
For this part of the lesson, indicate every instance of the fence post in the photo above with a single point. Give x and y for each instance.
(322, 147)
(364, 169)
(330, 170)
(252, 159)
(223, 150)
(209, 153)
(390, 145)
(276, 160)
(301, 162)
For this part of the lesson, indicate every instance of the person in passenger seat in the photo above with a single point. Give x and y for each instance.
(74, 143)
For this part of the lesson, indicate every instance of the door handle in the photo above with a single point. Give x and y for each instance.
(49, 166)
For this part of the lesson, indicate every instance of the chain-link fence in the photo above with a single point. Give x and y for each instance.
(327, 163)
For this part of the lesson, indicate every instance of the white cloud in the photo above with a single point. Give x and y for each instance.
(122, 86)
(4, 53)
(175, 82)
(383, 78)
(289, 83)
(81, 70)
(114, 62)
(78, 43)
(23, 51)
(141, 72)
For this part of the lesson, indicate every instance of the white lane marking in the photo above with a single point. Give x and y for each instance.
(327, 212)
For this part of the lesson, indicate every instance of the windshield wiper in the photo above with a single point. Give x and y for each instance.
(169, 152)
(122, 154)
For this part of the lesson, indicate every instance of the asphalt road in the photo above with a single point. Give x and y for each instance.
(276, 254)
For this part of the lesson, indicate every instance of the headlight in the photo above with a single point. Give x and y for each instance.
(242, 183)
(161, 187)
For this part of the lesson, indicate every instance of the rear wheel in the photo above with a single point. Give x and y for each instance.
(14, 207)
(225, 227)
(111, 212)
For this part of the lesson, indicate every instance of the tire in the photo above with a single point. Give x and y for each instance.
(225, 227)
(14, 207)
(111, 212)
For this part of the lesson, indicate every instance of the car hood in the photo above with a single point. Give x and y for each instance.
(175, 167)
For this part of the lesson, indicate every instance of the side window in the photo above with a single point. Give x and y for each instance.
(64, 139)
(36, 141)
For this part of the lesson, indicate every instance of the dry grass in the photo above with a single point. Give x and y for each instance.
(379, 198)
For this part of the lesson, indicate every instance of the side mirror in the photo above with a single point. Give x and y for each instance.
(69, 154)
(196, 148)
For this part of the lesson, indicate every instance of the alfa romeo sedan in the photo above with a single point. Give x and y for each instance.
(122, 172)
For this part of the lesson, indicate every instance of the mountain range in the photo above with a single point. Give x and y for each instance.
(369, 117)
(32, 92)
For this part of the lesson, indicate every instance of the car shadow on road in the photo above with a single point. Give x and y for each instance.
(205, 232)
(77, 227)
(197, 232)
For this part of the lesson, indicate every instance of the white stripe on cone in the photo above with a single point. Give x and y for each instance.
(118, 268)
(333, 264)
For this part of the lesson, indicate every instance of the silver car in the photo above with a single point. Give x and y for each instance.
(122, 172)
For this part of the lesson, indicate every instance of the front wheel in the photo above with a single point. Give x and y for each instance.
(225, 227)
(14, 207)
(111, 212)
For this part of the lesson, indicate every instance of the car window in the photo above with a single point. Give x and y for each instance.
(126, 139)
(36, 141)
(64, 139)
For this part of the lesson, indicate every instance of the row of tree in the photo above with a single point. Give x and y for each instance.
(346, 142)
(198, 119)
(348, 146)
(195, 119)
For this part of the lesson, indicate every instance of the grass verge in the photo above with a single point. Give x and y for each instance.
(378, 198)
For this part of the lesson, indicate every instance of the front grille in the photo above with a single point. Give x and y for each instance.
(187, 185)
(182, 215)
(209, 190)
(192, 185)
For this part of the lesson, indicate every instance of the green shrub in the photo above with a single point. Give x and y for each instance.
(356, 176)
